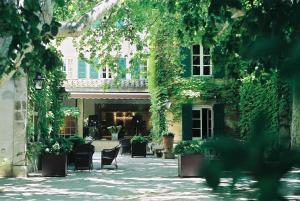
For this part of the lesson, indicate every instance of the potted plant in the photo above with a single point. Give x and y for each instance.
(168, 141)
(138, 146)
(75, 140)
(54, 157)
(114, 130)
(191, 158)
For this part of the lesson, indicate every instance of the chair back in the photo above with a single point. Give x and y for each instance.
(85, 148)
(115, 151)
(125, 142)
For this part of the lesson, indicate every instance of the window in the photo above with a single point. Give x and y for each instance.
(201, 60)
(105, 73)
(143, 69)
(202, 122)
(68, 67)
(70, 127)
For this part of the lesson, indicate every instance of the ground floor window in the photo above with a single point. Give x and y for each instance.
(70, 126)
(202, 122)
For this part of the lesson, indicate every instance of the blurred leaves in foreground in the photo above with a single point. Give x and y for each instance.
(262, 157)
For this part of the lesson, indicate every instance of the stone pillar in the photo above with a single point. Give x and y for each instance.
(7, 97)
(20, 124)
(13, 122)
(80, 118)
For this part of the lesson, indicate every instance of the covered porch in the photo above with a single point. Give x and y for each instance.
(99, 111)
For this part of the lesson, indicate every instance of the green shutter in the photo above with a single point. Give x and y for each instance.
(93, 71)
(218, 110)
(122, 68)
(81, 69)
(135, 71)
(186, 61)
(187, 122)
(218, 69)
(97, 24)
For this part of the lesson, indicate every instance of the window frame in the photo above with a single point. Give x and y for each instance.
(64, 127)
(68, 67)
(144, 69)
(200, 107)
(201, 58)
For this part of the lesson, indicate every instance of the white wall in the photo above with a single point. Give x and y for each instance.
(69, 52)
(7, 97)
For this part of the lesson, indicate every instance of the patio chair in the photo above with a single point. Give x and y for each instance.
(109, 155)
(125, 146)
(84, 157)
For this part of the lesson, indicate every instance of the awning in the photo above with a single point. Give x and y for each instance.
(109, 95)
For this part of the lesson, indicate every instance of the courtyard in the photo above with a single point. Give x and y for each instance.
(136, 179)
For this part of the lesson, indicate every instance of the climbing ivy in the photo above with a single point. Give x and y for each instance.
(264, 94)
(47, 114)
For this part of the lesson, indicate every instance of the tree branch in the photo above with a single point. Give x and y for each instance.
(74, 29)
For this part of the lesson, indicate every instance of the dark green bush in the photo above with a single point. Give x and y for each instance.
(138, 139)
(190, 147)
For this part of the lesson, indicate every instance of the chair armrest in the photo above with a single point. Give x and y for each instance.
(106, 150)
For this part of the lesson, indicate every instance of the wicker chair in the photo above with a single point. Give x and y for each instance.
(125, 146)
(84, 157)
(109, 155)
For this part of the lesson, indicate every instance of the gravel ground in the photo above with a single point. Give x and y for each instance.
(136, 179)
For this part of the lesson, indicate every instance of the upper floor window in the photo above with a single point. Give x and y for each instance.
(143, 69)
(201, 60)
(105, 73)
(68, 67)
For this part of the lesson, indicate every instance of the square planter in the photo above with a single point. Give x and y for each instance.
(54, 165)
(190, 165)
(138, 149)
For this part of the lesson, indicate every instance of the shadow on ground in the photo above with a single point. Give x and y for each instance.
(136, 179)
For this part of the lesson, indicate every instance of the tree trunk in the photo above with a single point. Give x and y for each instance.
(295, 130)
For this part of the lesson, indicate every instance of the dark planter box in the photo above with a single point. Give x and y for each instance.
(54, 165)
(71, 158)
(190, 165)
(138, 149)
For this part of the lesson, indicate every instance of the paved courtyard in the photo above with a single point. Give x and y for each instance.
(136, 179)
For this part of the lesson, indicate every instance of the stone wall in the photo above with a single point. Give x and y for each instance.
(13, 123)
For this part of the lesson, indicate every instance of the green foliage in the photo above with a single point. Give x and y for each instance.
(76, 140)
(114, 129)
(169, 134)
(138, 139)
(190, 147)
(57, 146)
(264, 160)
(20, 26)
(71, 111)
(259, 95)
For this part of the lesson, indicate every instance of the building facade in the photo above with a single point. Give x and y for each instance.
(203, 117)
(104, 101)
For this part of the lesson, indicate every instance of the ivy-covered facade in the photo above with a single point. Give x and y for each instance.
(204, 112)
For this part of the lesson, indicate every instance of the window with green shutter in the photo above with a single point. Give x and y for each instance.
(186, 61)
(202, 122)
(187, 122)
(201, 60)
(122, 68)
(81, 69)
(219, 115)
(93, 71)
(135, 71)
